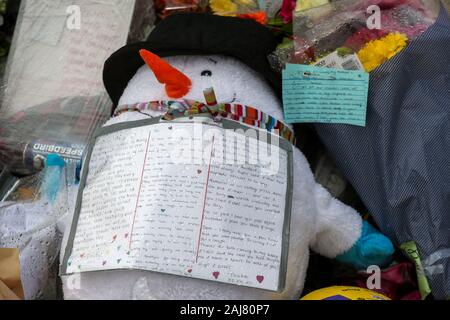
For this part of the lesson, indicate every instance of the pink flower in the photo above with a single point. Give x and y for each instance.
(287, 8)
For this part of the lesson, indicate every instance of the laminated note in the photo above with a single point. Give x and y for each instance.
(324, 95)
(184, 198)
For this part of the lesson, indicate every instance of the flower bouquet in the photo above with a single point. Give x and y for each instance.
(369, 31)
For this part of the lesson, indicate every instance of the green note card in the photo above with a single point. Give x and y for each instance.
(324, 95)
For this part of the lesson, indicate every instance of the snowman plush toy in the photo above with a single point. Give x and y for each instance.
(185, 54)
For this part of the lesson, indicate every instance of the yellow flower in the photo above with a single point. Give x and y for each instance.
(247, 3)
(377, 52)
(308, 4)
(223, 7)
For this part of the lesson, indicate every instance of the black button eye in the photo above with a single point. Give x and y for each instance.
(206, 73)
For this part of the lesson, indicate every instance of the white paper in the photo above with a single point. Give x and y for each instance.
(347, 62)
(203, 219)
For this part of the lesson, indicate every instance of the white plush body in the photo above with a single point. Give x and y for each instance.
(318, 221)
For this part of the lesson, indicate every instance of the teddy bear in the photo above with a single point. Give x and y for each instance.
(185, 54)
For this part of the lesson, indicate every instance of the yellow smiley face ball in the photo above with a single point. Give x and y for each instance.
(344, 293)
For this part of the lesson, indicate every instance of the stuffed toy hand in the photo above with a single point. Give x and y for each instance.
(372, 248)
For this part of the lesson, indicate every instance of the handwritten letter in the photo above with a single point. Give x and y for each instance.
(211, 219)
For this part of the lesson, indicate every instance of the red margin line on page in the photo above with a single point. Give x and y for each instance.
(204, 201)
(140, 187)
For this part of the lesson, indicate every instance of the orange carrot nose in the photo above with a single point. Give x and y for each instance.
(177, 83)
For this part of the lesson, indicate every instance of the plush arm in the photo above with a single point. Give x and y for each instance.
(372, 248)
(338, 226)
(341, 233)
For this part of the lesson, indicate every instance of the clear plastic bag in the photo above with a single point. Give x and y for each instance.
(53, 99)
(364, 27)
(53, 96)
(32, 227)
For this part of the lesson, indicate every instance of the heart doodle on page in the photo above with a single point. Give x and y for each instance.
(199, 171)
(216, 274)
(189, 270)
(260, 279)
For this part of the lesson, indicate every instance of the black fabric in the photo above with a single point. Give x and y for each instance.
(196, 34)
(400, 162)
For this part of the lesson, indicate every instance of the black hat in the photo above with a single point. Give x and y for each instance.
(196, 34)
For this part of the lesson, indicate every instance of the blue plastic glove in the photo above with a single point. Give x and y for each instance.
(372, 248)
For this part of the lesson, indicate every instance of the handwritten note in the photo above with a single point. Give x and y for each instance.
(410, 248)
(212, 219)
(324, 95)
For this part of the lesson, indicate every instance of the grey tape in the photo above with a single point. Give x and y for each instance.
(429, 264)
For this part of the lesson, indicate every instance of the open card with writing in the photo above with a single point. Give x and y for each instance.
(194, 198)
